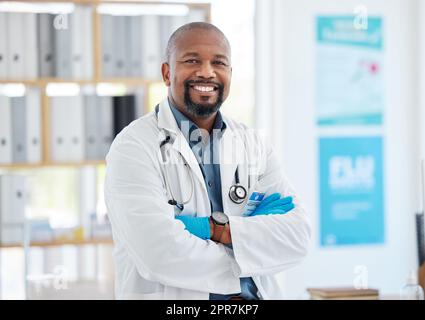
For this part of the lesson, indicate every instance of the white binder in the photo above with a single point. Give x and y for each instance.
(77, 34)
(5, 130)
(15, 59)
(164, 32)
(3, 45)
(30, 46)
(58, 108)
(74, 134)
(151, 59)
(12, 199)
(33, 123)
(19, 130)
(108, 57)
(135, 63)
(63, 50)
(46, 45)
(106, 125)
(91, 123)
(87, 39)
(120, 39)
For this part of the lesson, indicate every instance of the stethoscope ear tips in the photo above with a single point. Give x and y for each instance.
(172, 202)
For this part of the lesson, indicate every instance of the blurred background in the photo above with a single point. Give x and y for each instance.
(337, 86)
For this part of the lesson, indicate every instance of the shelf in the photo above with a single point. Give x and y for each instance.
(51, 164)
(97, 2)
(45, 81)
(58, 243)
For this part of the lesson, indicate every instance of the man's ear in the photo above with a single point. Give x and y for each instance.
(165, 70)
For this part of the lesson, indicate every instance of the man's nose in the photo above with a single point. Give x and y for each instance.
(206, 70)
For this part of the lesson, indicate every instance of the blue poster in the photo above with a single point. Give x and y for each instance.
(349, 71)
(351, 191)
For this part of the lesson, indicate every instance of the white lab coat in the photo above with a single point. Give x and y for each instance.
(155, 257)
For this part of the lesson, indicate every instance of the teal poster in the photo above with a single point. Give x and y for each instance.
(349, 71)
(351, 191)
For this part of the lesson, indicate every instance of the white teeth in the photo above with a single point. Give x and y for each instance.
(203, 89)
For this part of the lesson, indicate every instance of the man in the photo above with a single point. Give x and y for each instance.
(177, 183)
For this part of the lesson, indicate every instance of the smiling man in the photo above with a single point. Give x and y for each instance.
(198, 72)
(177, 183)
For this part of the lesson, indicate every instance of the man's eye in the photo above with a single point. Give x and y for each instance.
(220, 63)
(191, 61)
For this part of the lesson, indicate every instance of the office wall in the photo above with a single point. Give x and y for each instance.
(285, 97)
(421, 67)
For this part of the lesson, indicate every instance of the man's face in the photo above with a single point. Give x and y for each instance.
(199, 72)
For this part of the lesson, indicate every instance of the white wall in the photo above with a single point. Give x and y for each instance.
(285, 88)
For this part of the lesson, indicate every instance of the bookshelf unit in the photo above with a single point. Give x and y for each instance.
(96, 36)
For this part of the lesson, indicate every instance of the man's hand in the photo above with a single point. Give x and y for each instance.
(273, 204)
(198, 226)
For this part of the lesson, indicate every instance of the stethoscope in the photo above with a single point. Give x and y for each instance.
(237, 192)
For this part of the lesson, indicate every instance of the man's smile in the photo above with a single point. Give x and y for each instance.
(205, 89)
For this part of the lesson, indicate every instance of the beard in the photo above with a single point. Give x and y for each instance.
(202, 110)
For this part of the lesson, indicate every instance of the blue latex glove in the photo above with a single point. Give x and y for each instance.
(273, 204)
(198, 226)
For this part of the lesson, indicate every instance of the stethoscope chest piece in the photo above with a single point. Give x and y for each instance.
(237, 193)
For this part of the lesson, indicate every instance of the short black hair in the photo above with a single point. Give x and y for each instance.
(176, 35)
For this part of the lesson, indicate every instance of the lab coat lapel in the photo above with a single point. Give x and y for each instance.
(232, 155)
(182, 146)
(167, 122)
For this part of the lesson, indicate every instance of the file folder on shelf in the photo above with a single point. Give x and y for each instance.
(63, 48)
(12, 198)
(46, 45)
(87, 39)
(77, 34)
(12, 209)
(120, 54)
(3, 45)
(151, 57)
(19, 130)
(124, 112)
(15, 59)
(5, 130)
(107, 36)
(30, 54)
(106, 126)
(33, 123)
(91, 125)
(135, 47)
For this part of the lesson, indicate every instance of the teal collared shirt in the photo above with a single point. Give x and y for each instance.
(206, 151)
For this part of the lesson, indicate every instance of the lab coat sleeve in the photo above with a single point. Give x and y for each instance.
(269, 244)
(143, 222)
